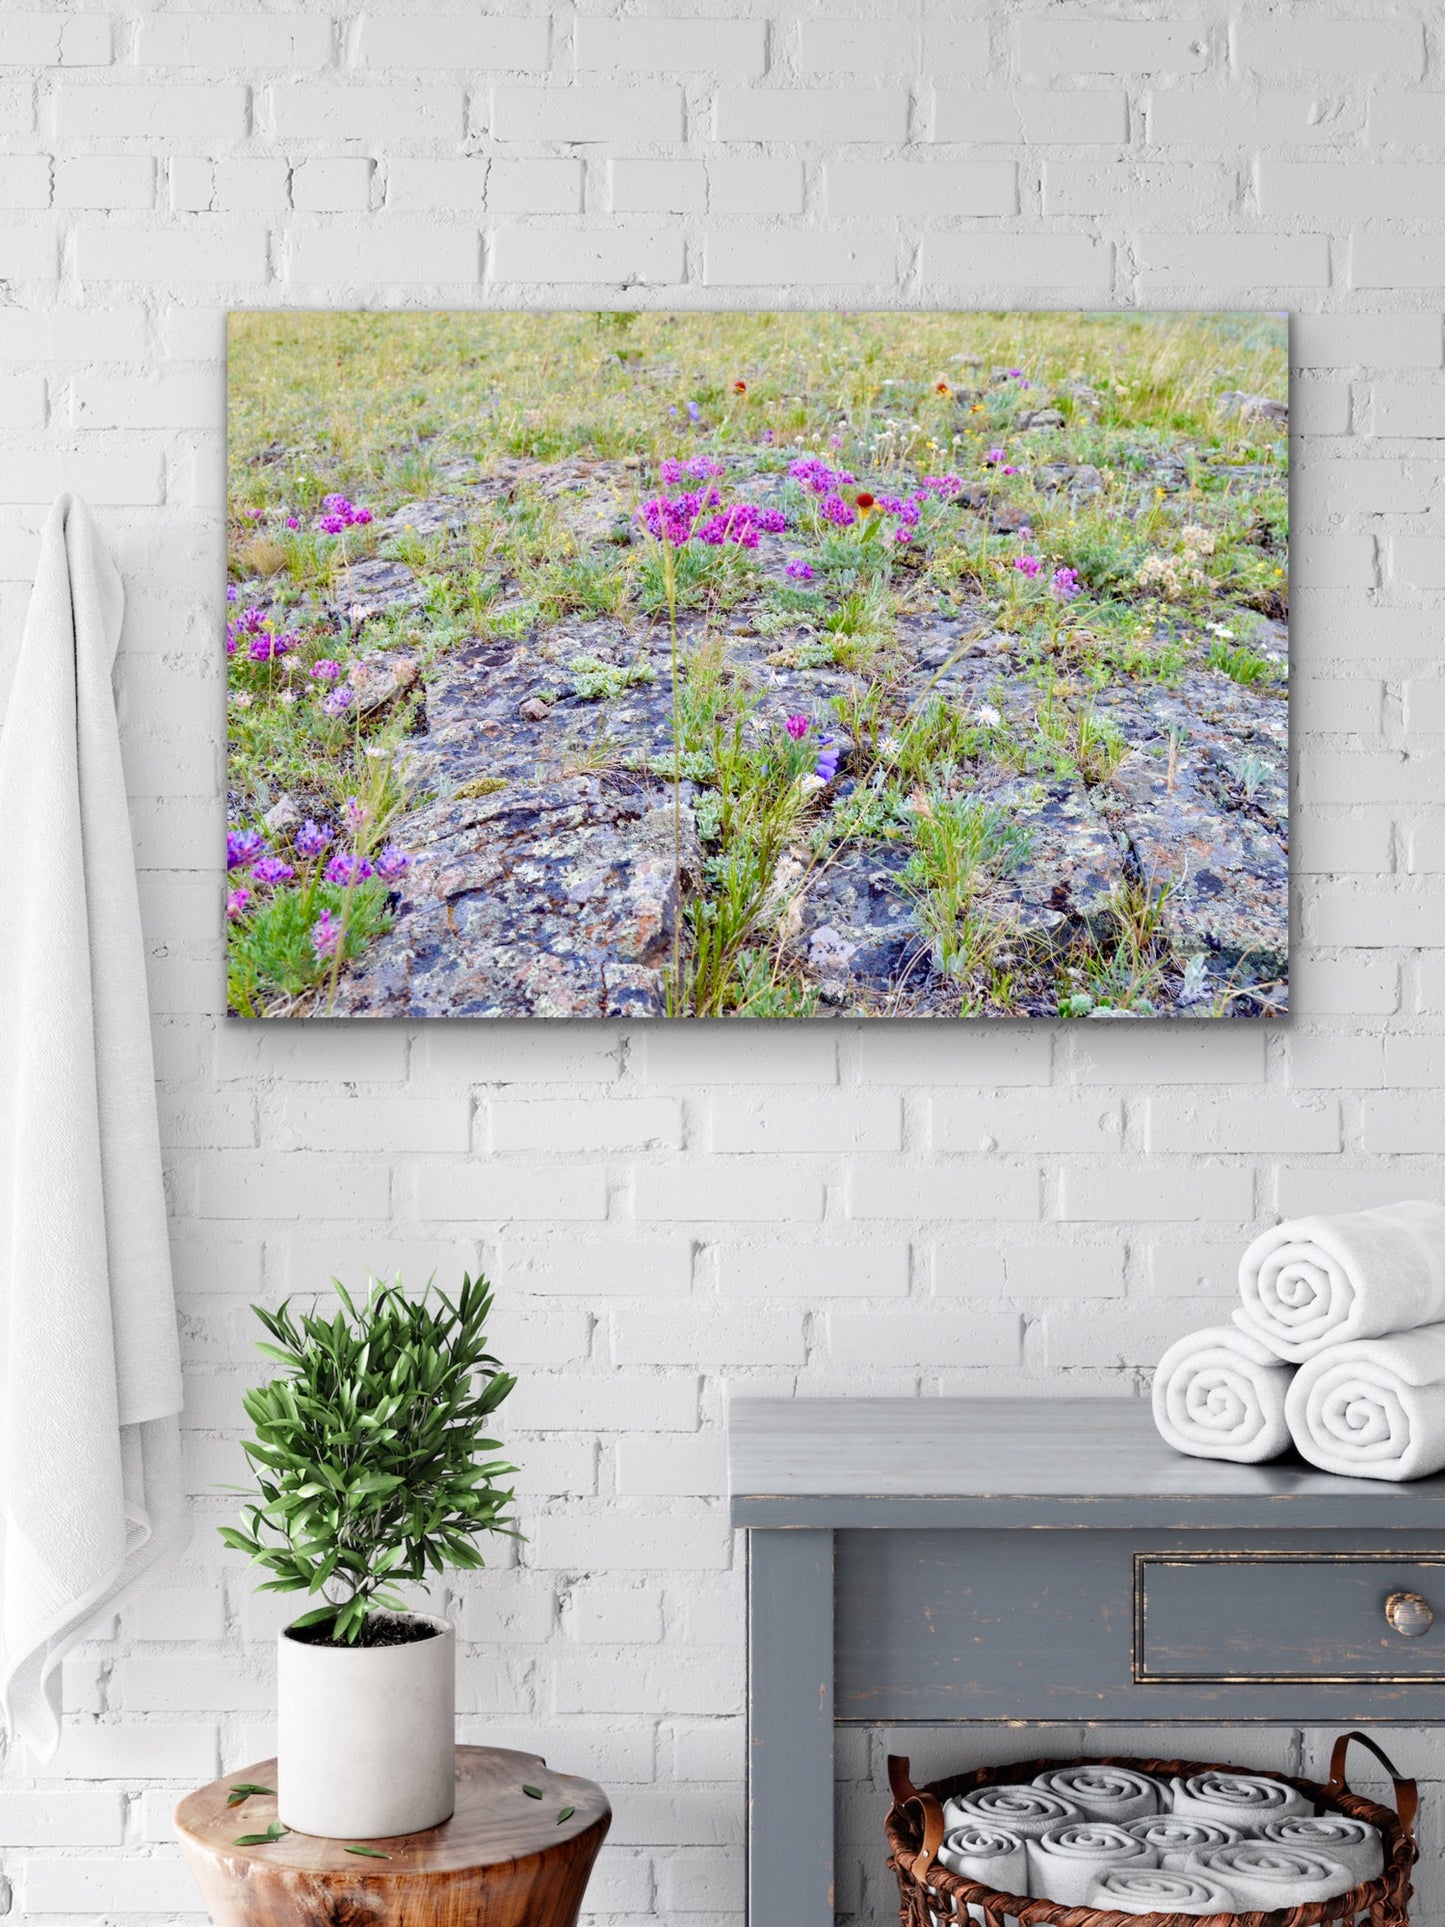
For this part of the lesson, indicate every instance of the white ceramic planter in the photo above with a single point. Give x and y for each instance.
(365, 1735)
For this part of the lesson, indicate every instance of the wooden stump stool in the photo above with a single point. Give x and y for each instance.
(504, 1859)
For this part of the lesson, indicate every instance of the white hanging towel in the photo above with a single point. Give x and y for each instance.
(1374, 1409)
(92, 1499)
(1320, 1281)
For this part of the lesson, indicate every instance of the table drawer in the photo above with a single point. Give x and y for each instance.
(1287, 1616)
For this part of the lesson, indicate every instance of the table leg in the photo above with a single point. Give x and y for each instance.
(790, 1729)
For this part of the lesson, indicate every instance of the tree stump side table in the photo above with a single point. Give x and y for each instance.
(504, 1859)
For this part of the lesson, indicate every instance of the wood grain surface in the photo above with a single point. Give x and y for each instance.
(504, 1859)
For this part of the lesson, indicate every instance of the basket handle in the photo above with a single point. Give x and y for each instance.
(1407, 1794)
(905, 1794)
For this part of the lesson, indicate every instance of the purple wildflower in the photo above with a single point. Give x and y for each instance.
(994, 457)
(311, 839)
(694, 413)
(834, 509)
(827, 759)
(1028, 565)
(243, 847)
(1024, 532)
(326, 670)
(356, 812)
(797, 727)
(325, 935)
(341, 513)
(270, 648)
(392, 862)
(293, 521)
(271, 869)
(904, 532)
(798, 569)
(344, 868)
(232, 592)
(1065, 585)
(338, 702)
(236, 902)
(701, 468)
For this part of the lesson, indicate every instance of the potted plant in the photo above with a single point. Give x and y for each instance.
(369, 1457)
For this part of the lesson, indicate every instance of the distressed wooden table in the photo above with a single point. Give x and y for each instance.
(502, 1860)
(932, 1560)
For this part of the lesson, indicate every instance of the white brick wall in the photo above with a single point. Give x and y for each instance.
(674, 1215)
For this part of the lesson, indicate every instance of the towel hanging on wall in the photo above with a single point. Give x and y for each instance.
(92, 1499)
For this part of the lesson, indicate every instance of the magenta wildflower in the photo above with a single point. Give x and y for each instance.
(356, 813)
(392, 862)
(798, 569)
(817, 475)
(834, 509)
(344, 868)
(1028, 565)
(270, 648)
(1008, 469)
(1024, 532)
(271, 869)
(1065, 585)
(827, 758)
(797, 727)
(311, 839)
(232, 592)
(236, 902)
(326, 670)
(701, 468)
(994, 457)
(243, 847)
(903, 533)
(325, 935)
(293, 521)
(341, 513)
(338, 702)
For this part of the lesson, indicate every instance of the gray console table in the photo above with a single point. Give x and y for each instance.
(931, 1560)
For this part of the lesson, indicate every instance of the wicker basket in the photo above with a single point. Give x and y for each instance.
(932, 1897)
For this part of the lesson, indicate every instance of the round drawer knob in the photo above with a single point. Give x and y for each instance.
(1409, 1614)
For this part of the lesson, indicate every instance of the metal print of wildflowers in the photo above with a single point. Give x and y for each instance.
(780, 666)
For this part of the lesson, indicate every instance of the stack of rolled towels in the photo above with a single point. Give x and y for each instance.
(1108, 1837)
(1338, 1344)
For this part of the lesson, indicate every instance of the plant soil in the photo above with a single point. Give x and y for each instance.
(377, 1629)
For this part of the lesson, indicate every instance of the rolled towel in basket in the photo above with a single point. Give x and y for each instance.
(1319, 1281)
(1354, 1843)
(1066, 1861)
(1027, 1811)
(1155, 1890)
(1114, 1793)
(1174, 1838)
(1219, 1394)
(1373, 1409)
(1262, 1875)
(1236, 1799)
(994, 1855)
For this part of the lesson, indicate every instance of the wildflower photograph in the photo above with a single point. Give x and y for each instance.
(789, 665)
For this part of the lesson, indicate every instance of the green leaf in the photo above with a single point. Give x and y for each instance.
(565, 1814)
(243, 1789)
(273, 1833)
(372, 1853)
(532, 1792)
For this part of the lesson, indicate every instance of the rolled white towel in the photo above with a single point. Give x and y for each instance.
(1375, 1408)
(1262, 1875)
(995, 1855)
(1114, 1793)
(1174, 1838)
(1354, 1843)
(1236, 1799)
(1065, 1862)
(1155, 1890)
(1319, 1281)
(1219, 1394)
(1025, 1810)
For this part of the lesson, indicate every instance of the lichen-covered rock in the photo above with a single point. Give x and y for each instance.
(380, 678)
(551, 901)
(368, 588)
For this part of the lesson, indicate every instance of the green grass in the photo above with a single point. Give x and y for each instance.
(1188, 523)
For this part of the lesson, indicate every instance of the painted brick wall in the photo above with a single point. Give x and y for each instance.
(675, 1215)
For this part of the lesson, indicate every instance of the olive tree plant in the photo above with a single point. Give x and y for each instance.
(370, 1451)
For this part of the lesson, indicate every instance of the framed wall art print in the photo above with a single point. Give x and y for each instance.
(784, 666)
